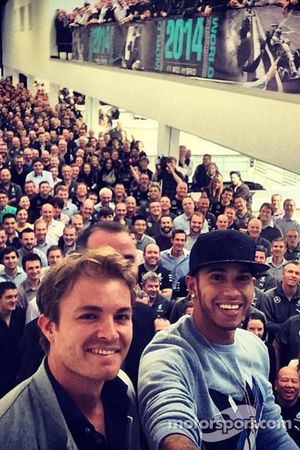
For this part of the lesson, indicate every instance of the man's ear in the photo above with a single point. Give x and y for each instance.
(191, 284)
(46, 327)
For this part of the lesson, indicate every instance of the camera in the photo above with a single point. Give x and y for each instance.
(161, 163)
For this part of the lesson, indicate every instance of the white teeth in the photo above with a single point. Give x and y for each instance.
(98, 351)
(232, 307)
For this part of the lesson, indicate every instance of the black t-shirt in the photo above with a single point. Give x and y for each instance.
(291, 416)
(176, 206)
(288, 338)
(10, 337)
(166, 276)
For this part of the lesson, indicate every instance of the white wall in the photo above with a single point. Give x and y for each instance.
(259, 124)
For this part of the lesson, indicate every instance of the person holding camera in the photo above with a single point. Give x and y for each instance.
(168, 175)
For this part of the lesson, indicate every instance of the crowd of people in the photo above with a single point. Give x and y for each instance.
(122, 11)
(65, 191)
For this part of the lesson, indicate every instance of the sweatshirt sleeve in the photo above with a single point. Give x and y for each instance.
(166, 394)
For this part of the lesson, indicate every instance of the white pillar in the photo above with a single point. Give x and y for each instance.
(15, 75)
(174, 142)
(53, 94)
(30, 82)
(92, 113)
(167, 140)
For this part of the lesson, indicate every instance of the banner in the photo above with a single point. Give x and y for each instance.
(256, 46)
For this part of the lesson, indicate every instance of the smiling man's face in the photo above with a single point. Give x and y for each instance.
(223, 294)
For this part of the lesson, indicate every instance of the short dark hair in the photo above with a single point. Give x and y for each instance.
(178, 231)
(44, 182)
(278, 239)
(56, 201)
(267, 205)
(163, 216)
(138, 217)
(7, 250)
(236, 172)
(5, 286)
(26, 230)
(227, 189)
(30, 257)
(8, 216)
(37, 160)
(261, 248)
(53, 248)
(105, 211)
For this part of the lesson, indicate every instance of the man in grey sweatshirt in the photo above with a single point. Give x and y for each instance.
(203, 382)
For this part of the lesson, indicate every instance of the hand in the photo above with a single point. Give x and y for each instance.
(234, 4)
(207, 11)
(170, 167)
(161, 324)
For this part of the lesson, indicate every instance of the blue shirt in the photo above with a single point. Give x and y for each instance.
(182, 222)
(179, 267)
(18, 278)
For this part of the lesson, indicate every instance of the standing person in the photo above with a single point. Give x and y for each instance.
(39, 174)
(240, 189)
(225, 200)
(222, 222)
(182, 222)
(67, 242)
(200, 176)
(277, 260)
(243, 215)
(11, 272)
(292, 245)
(12, 321)
(170, 177)
(152, 264)
(29, 245)
(164, 235)
(288, 221)
(85, 305)
(205, 370)
(41, 198)
(254, 228)
(287, 389)
(14, 191)
(270, 230)
(276, 200)
(176, 258)
(176, 201)
(40, 232)
(160, 305)
(5, 208)
(27, 289)
(139, 226)
(9, 224)
(19, 171)
(283, 301)
(54, 227)
(210, 220)
(196, 227)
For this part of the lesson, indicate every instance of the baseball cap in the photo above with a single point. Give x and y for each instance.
(224, 246)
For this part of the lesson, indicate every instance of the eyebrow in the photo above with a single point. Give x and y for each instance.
(93, 308)
(129, 257)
